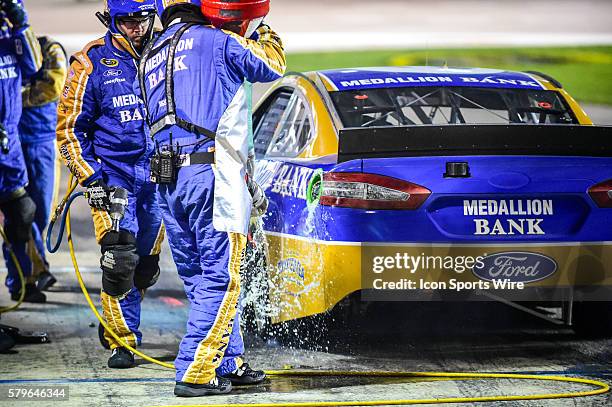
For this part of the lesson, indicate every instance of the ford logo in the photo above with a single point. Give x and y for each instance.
(519, 267)
(113, 72)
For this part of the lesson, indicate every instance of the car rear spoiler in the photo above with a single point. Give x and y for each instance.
(455, 140)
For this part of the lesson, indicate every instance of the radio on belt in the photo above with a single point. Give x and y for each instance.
(166, 163)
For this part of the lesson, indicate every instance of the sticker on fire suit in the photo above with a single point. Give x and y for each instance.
(110, 62)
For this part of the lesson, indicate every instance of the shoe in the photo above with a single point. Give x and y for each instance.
(101, 337)
(121, 359)
(45, 281)
(6, 341)
(218, 385)
(32, 294)
(245, 375)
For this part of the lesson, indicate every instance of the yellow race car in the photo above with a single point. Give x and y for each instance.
(429, 183)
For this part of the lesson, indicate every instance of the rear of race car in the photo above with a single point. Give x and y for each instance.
(492, 191)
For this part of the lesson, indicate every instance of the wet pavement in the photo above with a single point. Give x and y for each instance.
(476, 337)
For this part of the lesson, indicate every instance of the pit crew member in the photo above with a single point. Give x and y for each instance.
(207, 207)
(102, 138)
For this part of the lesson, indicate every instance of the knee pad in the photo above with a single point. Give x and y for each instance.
(147, 272)
(118, 262)
(19, 214)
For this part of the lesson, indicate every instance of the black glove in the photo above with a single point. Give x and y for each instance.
(15, 12)
(98, 195)
(4, 140)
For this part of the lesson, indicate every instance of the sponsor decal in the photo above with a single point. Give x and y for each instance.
(517, 267)
(113, 72)
(110, 62)
(292, 181)
(292, 272)
(7, 60)
(371, 78)
(528, 216)
(114, 81)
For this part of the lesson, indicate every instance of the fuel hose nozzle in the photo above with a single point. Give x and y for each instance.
(119, 200)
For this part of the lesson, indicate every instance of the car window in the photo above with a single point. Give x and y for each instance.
(267, 119)
(294, 131)
(450, 105)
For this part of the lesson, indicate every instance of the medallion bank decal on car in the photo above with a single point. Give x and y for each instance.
(382, 78)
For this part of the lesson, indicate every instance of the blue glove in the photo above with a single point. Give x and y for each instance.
(15, 12)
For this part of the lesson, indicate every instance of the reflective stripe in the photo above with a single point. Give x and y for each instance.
(67, 120)
(113, 314)
(33, 48)
(158, 241)
(57, 171)
(102, 223)
(210, 351)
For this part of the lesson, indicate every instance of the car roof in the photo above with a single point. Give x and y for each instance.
(421, 76)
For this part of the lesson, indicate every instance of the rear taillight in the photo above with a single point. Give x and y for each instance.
(370, 191)
(602, 194)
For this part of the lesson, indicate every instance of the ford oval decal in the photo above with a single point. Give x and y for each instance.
(519, 267)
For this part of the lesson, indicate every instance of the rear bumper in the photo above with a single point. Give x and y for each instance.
(312, 276)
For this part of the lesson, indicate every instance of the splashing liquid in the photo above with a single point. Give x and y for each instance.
(269, 290)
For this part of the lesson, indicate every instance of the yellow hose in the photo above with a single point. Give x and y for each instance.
(601, 389)
(601, 386)
(19, 271)
(71, 188)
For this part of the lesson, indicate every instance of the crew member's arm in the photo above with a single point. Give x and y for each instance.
(261, 60)
(47, 86)
(27, 49)
(75, 117)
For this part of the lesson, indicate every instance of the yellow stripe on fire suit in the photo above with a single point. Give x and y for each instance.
(33, 47)
(114, 317)
(102, 223)
(158, 240)
(209, 353)
(69, 110)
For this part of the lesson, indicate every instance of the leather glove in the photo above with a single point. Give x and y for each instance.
(260, 202)
(98, 195)
(4, 140)
(15, 13)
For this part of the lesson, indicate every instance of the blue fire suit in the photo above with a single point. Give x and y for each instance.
(101, 134)
(40, 94)
(207, 210)
(20, 57)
